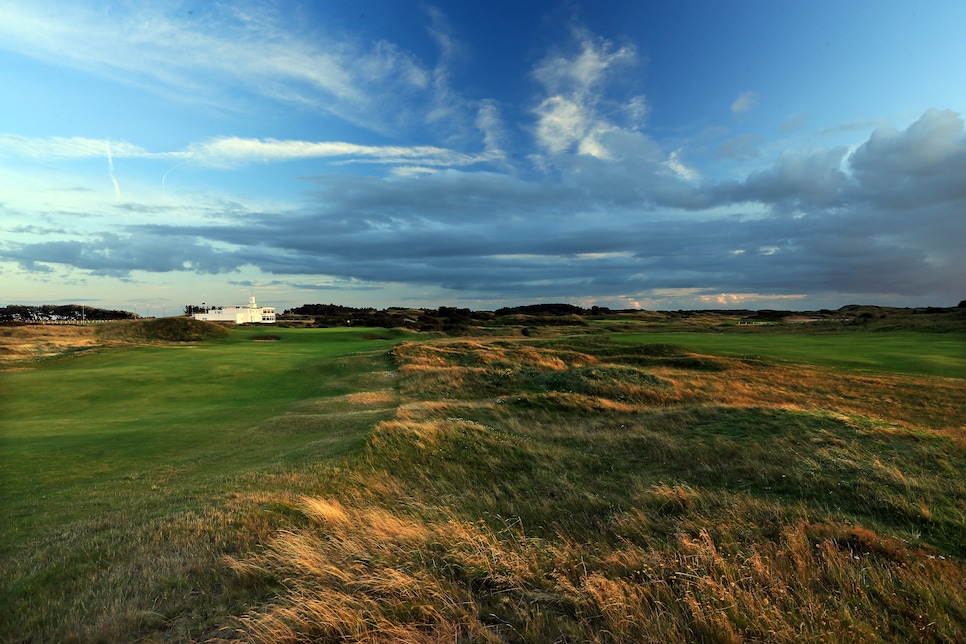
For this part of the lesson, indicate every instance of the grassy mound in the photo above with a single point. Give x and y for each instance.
(561, 492)
(26, 346)
(329, 487)
(173, 329)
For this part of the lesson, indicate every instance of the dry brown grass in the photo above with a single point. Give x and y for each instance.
(936, 402)
(371, 398)
(21, 346)
(405, 579)
(501, 506)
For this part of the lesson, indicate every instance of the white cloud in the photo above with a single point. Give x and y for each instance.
(561, 123)
(571, 114)
(491, 125)
(448, 112)
(745, 102)
(580, 74)
(746, 299)
(110, 171)
(495, 235)
(412, 171)
(199, 58)
(234, 151)
(74, 147)
(613, 216)
(683, 171)
(933, 146)
(811, 176)
(636, 110)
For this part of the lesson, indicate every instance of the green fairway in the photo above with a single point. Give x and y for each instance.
(160, 491)
(77, 429)
(933, 354)
(98, 451)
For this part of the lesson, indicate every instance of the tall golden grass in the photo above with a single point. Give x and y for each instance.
(525, 494)
(20, 346)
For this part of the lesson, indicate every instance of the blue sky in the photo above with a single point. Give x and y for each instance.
(657, 155)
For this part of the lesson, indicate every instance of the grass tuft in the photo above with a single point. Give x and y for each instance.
(545, 488)
(528, 495)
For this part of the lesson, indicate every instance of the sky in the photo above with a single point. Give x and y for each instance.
(640, 154)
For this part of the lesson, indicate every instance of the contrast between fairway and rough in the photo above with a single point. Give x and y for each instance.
(336, 484)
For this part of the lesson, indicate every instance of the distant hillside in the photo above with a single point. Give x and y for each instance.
(25, 345)
(461, 320)
(173, 329)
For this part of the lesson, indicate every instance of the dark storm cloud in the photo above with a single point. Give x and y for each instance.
(923, 165)
(810, 177)
(887, 219)
(118, 255)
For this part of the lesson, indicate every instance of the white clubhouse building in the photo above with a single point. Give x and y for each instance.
(251, 314)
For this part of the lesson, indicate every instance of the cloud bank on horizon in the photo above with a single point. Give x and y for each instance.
(656, 155)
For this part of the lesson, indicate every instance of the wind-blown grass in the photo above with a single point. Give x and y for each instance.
(567, 489)
(565, 492)
(128, 473)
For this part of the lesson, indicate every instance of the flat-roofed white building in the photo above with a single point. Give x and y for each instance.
(251, 314)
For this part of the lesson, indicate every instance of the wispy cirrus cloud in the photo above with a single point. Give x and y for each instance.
(73, 147)
(819, 226)
(202, 54)
(235, 151)
(592, 205)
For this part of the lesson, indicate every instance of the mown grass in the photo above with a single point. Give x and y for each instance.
(937, 354)
(128, 473)
(496, 490)
(579, 490)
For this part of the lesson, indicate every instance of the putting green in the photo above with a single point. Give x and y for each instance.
(932, 354)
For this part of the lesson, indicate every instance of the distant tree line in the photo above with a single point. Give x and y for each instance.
(335, 311)
(543, 309)
(445, 318)
(454, 319)
(59, 313)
